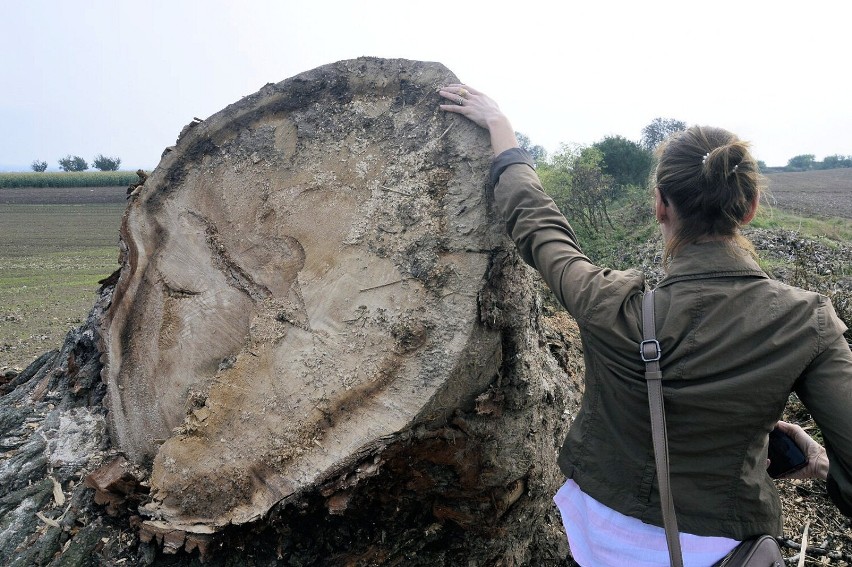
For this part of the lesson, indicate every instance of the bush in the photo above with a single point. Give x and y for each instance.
(39, 166)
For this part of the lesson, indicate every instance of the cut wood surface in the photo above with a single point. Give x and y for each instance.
(300, 284)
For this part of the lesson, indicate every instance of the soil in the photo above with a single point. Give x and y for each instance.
(62, 195)
(824, 194)
(54, 247)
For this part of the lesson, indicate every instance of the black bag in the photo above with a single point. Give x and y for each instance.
(761, 551)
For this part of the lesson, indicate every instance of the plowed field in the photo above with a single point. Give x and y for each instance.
(823, 194)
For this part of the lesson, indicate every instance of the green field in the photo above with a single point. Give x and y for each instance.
(51, 258)
(68, 179)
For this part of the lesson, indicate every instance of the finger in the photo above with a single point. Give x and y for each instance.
(452, 94)
(453, 108)
(790, 429)
(458, 90)
(457, 86)
(455, 97)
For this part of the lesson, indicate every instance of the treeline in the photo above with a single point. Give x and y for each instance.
(68, 179)
(76, 163)
(808, 162)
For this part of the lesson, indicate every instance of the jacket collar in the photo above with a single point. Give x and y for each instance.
(711, 260)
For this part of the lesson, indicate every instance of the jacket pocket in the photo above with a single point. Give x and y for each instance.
(646, 482)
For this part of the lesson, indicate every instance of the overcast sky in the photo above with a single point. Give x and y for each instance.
(121, 78)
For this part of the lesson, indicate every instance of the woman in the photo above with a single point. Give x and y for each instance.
(735, 344)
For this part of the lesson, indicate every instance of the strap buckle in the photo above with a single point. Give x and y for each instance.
(647, 354)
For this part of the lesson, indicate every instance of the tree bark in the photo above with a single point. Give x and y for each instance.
(320, 349)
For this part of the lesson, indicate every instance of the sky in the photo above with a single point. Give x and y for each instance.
(121, 78)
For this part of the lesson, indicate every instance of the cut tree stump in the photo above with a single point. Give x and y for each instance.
(321, 347)
(301, 285)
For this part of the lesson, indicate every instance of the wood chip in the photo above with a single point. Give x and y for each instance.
(49, 521)
(58, 495)
(804, 544)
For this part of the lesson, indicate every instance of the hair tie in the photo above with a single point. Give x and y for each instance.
(704, 159)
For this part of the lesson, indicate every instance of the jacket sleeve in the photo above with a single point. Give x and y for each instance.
(546, 241)
(826, 390)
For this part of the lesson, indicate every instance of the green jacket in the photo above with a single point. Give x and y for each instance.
(735, 344)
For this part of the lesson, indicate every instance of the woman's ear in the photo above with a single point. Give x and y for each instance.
(661, 208)
(752, 212)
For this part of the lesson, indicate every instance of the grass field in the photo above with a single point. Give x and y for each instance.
(833, 228)
(51, 257)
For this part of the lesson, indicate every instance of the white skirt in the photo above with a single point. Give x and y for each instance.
(601, 537)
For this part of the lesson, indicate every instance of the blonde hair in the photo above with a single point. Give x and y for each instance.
(712, 180)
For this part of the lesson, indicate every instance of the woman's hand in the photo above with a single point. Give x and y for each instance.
(482, 111)
(817, 466)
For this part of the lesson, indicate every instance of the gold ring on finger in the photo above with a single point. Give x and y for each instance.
(463, 93)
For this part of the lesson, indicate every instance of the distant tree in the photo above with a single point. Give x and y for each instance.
(73, 163)
(106, 163)
(836, 161)
(761, 165)
(538, 153)
(801, 162)
(658, 130)
(624, 160)
(38, 166)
